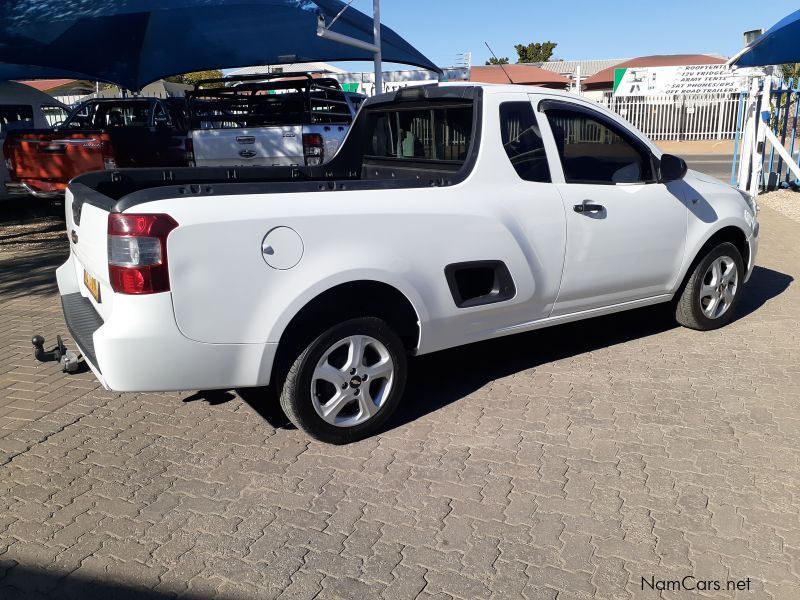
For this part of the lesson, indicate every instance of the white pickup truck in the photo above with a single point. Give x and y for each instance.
(268, 120)
(451, 214)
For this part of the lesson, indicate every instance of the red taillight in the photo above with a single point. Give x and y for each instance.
(137, 253)
(189, 149)
(107, 151)
(313, 148)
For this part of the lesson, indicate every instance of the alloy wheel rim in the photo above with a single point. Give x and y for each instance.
(352, 381)
(718, 287)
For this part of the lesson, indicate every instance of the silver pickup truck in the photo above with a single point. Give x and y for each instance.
(269, 120)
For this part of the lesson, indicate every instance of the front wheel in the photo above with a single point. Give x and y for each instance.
(710, 296)
(347, 382)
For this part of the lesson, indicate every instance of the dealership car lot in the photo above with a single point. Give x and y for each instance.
(569, 462)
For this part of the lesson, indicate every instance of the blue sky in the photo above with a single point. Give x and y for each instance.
(582, 28)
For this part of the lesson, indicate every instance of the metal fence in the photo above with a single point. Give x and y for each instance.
(784, 110)
(679, 117)
(784, 107)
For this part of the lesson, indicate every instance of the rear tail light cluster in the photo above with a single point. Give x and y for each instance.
(107, 150)
(313, 149)
(137, 253)
(189, 149)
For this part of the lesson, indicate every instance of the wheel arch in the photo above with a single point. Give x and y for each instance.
(729, 233)
(358, 298)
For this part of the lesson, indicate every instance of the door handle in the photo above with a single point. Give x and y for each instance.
(588, 207)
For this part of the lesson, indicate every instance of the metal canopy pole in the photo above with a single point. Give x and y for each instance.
(324, 32)
(376, 28)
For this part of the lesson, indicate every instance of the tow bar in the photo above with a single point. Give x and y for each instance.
(67, 358)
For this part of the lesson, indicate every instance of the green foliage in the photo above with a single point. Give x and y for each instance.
(497, 61)
(192, 78)
(535, 52)
(791, 71)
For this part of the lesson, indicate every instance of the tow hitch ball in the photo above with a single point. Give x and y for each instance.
(67, 358)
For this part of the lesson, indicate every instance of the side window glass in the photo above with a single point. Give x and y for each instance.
(592, 151)
(522, 141)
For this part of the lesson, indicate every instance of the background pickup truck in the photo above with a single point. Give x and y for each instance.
(22, 107)
(451, 214)
(269, 120)
(98, 134)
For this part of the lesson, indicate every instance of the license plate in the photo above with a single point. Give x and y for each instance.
(92, 285)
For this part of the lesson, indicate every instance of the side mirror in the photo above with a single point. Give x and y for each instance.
(672, 168)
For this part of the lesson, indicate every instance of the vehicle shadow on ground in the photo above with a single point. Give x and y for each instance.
(30, 273)
(43, 584)
(439, 379)
(436, 380)
(32, 244)
(764, 285)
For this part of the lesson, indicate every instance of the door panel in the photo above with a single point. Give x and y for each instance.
(626, 233)
(631, 249)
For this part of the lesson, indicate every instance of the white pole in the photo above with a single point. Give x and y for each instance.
(578, 79)
(376, 27)
(759, 138)
(748, 136)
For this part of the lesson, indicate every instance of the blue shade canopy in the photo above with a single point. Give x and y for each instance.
(779, 45)
(134, 42)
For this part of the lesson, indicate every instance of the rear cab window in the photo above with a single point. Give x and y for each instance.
(438, 135)
(15, 116)
(122, 113)
(54, 115)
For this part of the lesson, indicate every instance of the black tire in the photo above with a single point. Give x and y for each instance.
(688, 310)
(296, 390)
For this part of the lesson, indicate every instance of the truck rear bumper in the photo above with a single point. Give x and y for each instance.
(24, 189)
(138, 347)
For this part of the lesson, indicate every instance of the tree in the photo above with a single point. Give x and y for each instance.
(192, 78)
(535, 52)
(497, 61)
(791, 71)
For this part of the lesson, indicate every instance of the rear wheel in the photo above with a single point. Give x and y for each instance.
(710, 296)
(345, 384)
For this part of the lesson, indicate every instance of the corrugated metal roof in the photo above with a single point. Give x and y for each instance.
(48, 84)
(588, 67)
(519, 74)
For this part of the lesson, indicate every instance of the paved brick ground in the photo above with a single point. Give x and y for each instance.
(567, 463)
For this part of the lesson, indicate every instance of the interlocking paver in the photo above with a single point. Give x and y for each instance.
(566, 463)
